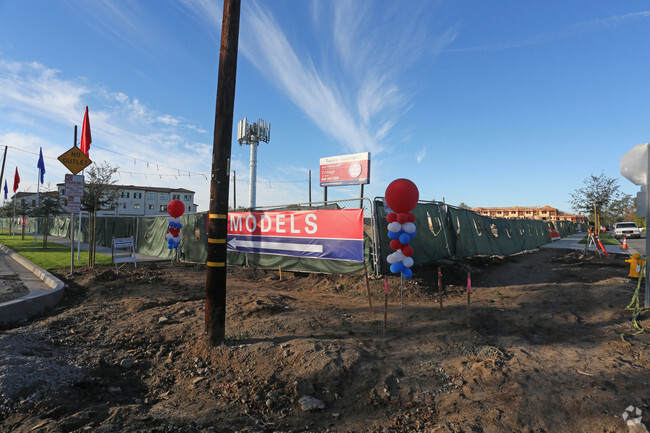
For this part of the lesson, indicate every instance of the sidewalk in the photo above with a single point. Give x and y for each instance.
(571, 242)
(107, 251)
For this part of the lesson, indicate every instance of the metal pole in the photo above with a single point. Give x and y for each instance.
(361, 196)
(309, 188)
(253, 174)
(234, 190)
(38, 190)
(72, 241)
(325, 194)
(646, 303)
(2, 172)
(215, 285)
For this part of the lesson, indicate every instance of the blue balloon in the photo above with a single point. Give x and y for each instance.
(169, 246)
(396, 268)
(393, 235)
(412, 235)
(404, 238)
(407, 273)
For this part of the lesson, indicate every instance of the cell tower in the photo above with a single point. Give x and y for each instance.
(253, 134)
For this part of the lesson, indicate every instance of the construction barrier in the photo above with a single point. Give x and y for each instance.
(443, 231)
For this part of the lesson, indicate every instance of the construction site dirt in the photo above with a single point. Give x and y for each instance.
(539, 350)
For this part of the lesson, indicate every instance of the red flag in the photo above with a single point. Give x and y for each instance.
(16, 180)
(86, 139)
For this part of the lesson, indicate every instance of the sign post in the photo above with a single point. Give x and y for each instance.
(75, 160)
(635, 167)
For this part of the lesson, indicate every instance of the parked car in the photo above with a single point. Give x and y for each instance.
(626, 230)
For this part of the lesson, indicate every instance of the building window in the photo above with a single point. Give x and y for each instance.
(189, 208)
(187, 197)
(136, 206)
(163, 208)
(150, 207)
(123, 205)
(176, 196)
(164, 196)
(151, 196)
(137, 195)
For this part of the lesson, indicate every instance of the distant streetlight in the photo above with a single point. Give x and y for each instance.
(253, 134)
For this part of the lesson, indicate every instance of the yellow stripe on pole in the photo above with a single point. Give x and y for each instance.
(216, 264)
(216, 241)
(219, 216)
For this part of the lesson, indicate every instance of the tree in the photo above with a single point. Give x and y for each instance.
(600, 195)
(462, 205)
(49, 204)
(100, 193)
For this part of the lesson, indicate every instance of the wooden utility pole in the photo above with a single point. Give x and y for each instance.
(215, 284)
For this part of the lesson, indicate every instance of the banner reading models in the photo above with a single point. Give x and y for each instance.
(335, 234)
(340, 170)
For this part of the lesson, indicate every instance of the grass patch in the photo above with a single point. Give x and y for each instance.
(55, 256)
(604, 238)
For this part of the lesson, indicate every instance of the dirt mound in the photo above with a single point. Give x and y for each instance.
(126, 352)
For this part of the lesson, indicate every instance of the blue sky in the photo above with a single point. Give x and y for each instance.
(496, 103)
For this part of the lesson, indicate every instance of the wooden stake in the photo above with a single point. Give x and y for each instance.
(385, 304)
(440, 287)
(469, 291)
(365, 269)
(280, 271)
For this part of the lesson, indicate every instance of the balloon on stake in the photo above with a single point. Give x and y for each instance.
(175, 209)
(401, 197)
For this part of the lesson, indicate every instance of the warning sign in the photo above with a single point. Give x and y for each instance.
(75, 160)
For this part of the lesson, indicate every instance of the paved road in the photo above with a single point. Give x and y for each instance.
(637, 244)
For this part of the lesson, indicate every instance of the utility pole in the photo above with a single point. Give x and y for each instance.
(215, 283)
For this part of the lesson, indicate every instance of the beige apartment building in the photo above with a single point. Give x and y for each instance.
(545, 213)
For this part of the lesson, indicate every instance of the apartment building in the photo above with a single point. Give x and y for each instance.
(544, 213)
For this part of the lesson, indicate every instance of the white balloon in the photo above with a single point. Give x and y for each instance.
(391, 258)
(169, 236)
(407, 261)
(399, 256)
(177, 239)
(394, 227)
(408, 227)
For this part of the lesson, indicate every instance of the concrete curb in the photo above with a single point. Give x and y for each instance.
(29, 305)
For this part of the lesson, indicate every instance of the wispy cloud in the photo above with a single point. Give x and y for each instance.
(420, 155)
(36, 100)
(354, 91)
(575, 29)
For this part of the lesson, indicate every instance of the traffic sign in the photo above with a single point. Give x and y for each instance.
(75, 160)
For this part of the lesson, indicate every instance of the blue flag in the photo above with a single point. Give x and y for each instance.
(6, 189)
(41, 165)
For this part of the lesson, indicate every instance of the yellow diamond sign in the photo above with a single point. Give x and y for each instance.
(75, 160)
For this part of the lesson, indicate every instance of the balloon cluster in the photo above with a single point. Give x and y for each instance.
(401, 197)
(175, 209)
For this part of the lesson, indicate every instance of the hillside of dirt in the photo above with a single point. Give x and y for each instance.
(126, 352)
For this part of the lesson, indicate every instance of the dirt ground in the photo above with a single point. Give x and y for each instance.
(127, 352)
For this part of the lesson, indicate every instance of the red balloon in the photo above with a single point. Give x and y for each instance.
(407, 250)
(402, 218)
(402, 195)
(411, 217)
(391, 217)
(174, 231)
(395, 244)
(175, 208)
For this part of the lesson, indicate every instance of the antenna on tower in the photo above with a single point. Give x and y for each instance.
(252, 134)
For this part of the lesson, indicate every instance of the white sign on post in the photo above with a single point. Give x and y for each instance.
(74, 185)
(74, 204)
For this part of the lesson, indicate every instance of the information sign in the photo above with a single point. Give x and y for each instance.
(74, 185)
(353, 169)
